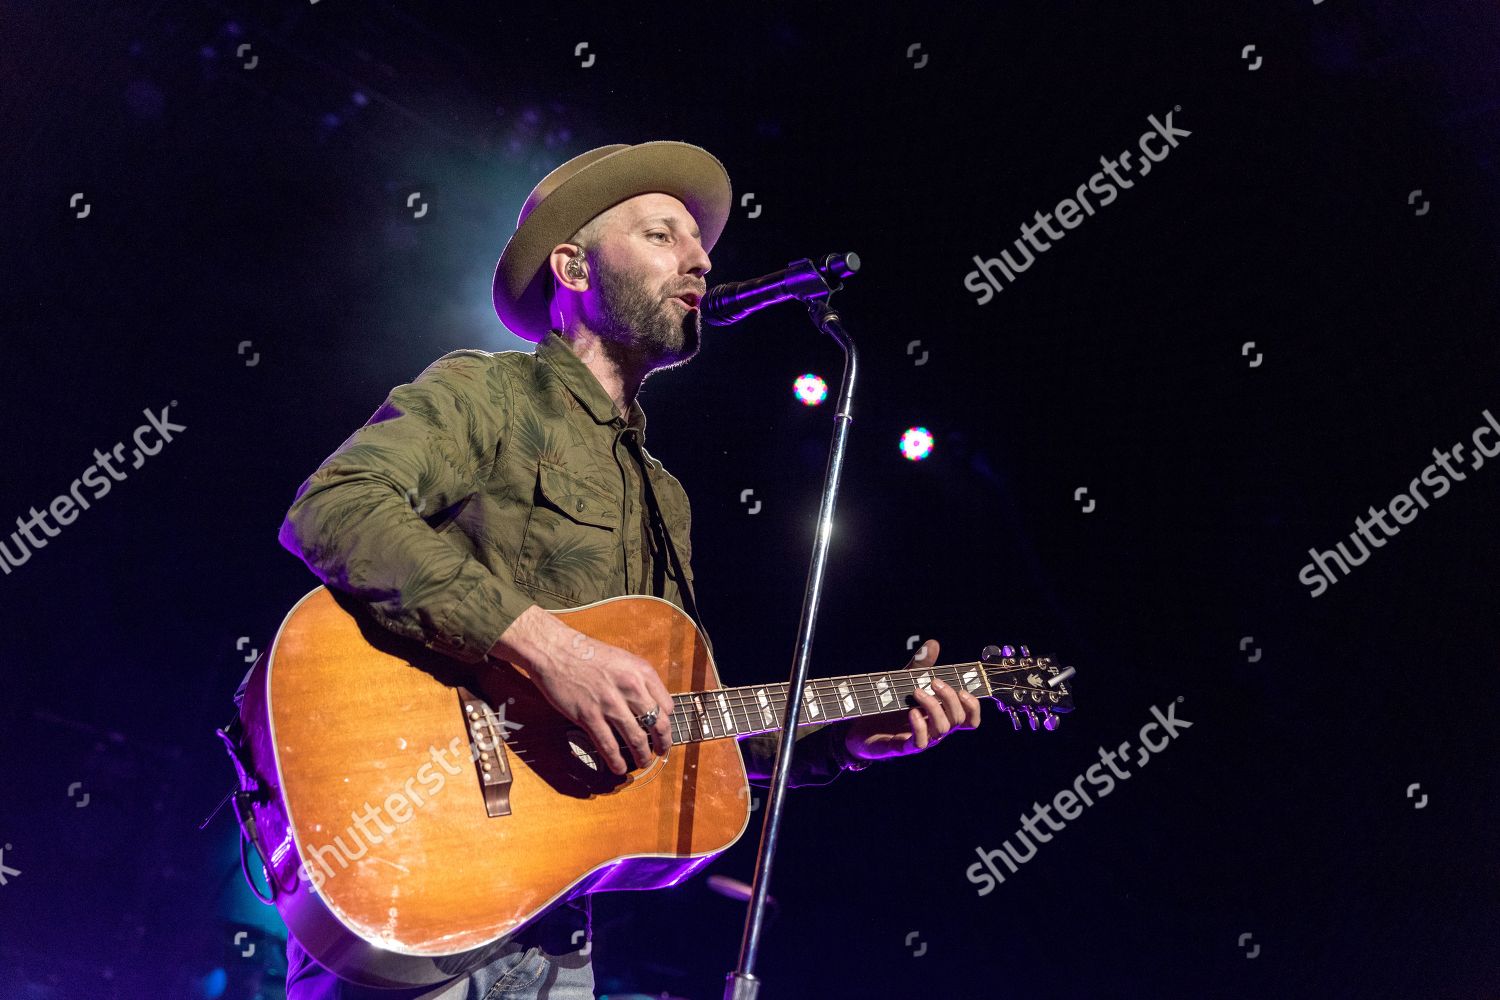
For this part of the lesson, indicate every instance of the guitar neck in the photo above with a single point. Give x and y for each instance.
(760, 708)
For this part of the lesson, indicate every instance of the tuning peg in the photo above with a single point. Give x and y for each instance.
(1025, 651)
(1032, 717)
(1049, 721)
(1007, 651)
(990, 654)
(1015, 720)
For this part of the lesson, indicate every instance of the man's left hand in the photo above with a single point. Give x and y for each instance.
(895, 734)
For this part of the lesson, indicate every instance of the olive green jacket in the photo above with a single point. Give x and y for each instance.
(495, 481)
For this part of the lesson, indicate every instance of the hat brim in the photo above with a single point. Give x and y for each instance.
(688, 173)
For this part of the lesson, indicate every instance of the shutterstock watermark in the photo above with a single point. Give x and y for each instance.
(400, 806)
(986, 871)
(65, 507)
(1403, 508)
(1155, 144)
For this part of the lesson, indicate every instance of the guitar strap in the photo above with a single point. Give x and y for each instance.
(659, 528)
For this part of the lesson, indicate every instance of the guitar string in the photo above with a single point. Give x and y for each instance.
(685, 719)
(745, 702)
(688, 725)
(859, 687)
(681, 735)
(862, 685)
(747, 699)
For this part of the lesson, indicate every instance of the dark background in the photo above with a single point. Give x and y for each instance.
(269, 205)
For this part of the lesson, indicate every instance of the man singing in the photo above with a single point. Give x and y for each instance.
(496, 483)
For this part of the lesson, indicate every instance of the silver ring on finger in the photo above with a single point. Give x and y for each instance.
(648, 719)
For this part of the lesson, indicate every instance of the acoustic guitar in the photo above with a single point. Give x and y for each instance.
(412, 812)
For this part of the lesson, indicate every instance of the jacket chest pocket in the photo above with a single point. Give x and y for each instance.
(572, 544)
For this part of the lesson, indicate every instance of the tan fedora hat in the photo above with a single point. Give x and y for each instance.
(585, 186)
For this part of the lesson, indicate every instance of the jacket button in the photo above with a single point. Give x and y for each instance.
(580, 505)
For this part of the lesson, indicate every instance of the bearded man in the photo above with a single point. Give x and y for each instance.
(496, 485)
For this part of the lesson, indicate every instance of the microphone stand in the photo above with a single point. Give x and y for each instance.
(742, 984)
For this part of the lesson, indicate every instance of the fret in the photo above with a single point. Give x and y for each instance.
(768, 718)
(744, 721)
(828, 701)
(924, 681)
(848, 703)
(778, 698)
(770, 706)
(729, 702)
(870, 694)
(749, 712)
(867, 695)
(811, 710)
(899, 692)
(863, 686)
(726, 714)
(705, 721)
(745, 712)
(852, 694)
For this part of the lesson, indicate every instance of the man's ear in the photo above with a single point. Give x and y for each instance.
(568, 268)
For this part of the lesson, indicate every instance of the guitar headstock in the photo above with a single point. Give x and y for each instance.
(1025, 685)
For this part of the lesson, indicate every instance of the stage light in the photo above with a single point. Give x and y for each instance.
(810, 389)
(916, 443)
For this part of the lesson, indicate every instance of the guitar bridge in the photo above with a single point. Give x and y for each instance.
(487, 737)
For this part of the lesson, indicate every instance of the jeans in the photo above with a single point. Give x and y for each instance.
(548, 960)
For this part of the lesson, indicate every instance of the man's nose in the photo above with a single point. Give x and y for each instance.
(698, 262)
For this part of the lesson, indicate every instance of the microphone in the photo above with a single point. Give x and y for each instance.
(801, 279)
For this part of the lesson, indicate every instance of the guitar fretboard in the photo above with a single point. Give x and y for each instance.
(759, 708)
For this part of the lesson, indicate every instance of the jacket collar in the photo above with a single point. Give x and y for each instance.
(582, 383)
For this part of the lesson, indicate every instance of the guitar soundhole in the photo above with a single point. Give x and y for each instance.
(582, 749)
(592, 770)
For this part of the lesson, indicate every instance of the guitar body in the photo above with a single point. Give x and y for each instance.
(396, 862)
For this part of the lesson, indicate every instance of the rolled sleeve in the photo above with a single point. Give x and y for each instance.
(360, 520)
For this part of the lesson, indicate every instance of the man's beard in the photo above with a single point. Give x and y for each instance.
(641, 327)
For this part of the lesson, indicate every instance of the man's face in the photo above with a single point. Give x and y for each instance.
(648, 252)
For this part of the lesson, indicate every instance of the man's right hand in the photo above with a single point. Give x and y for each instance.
(598, 687)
